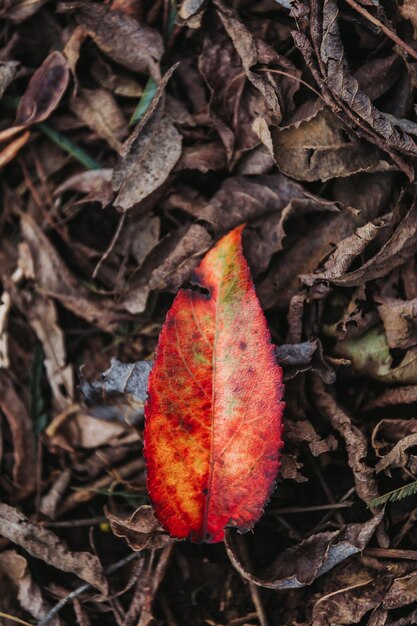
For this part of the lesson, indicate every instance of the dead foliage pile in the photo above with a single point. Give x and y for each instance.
(133, 135)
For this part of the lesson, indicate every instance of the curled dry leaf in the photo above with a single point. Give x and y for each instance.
(209, 443)
(45, 545)
(395, 395)
(43, 94)
(326, 58)
(141, 529)
(356, 445)
(301, 357)
(301, 564)
(239, 199)
(400, 321)
(399, 455)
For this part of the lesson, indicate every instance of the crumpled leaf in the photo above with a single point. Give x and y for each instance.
(399, 455)
(112, 29)
(320, 149)
(141, 529)
(301, 564)
(206, 445)
(301, 357)
(338, 86)
(43, 94)
(395, 395)
(45, 545)
(95, 183)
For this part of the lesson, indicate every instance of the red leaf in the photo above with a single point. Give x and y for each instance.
(213, 416)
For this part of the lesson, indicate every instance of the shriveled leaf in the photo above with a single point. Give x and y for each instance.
(45, 545)
(43, 94)
(301, 564)
(400, 323)
(141, 529)
(208, 443)
(395, 395)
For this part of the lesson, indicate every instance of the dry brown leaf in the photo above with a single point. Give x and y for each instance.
(14, 568)
(400, 321)
(301, 564)
(54, 279)
(356, 445)
(119, 35)
(140, 529)
(395, 395)
(99, 110)
(43, 94)
(45, 545)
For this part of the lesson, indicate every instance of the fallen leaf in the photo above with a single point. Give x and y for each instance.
(14, 568)
(395, 395)
(99, 110)
(200, 335)
(147, 164)
(45, 545)
(141, 529)
(111, 29)
(301, 564)
(399, 455)
(42, 95)
(301, 357)
(8, 71)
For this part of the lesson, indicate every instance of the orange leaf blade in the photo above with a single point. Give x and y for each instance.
(213, 416)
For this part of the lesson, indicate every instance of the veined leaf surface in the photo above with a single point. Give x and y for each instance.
(213, 415)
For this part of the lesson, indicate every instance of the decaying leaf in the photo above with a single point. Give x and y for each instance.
(43, 93)
(17, 580)
(140, 529)
(45, 545)
(111, 29)
(119, 393)
(207, 445)
(303, 563)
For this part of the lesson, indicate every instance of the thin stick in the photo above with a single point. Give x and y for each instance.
(112, 243)
(74, 523)
(391, 553)
(254, 589)
(77, 592)
(307, 509)
(389, 33)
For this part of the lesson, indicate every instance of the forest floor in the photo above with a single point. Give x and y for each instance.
(133, 135)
